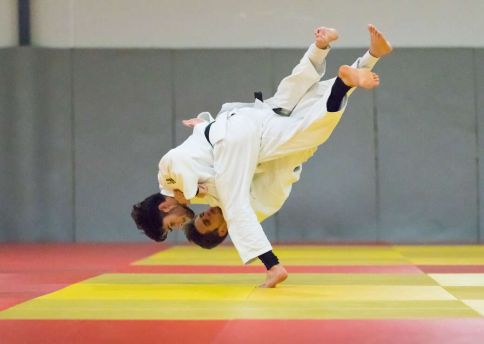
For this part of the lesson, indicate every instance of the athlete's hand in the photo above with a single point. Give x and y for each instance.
(191, 123)
(202, 190)
(180, 197)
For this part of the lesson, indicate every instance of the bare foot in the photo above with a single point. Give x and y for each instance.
(275, 275)
(379, 46)
(324, 36)
(358, 77)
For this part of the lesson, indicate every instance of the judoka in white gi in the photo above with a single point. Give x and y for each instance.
(229, 163)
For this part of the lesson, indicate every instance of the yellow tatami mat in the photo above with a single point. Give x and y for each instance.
(189, 294)
(290, 255)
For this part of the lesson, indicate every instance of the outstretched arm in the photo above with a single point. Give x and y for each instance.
(235, 159)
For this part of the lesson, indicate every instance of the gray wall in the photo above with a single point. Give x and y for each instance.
(250, 23)
(81, 133)
(36, 182)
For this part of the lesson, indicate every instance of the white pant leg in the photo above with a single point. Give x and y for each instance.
(310, 125)
(307, 72)
(287, 135)
(366, 61)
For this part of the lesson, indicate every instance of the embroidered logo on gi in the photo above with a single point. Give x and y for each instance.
(170, 181)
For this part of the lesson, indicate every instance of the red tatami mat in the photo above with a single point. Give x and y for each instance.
(446, 331)
(30, 257)
(31, 270)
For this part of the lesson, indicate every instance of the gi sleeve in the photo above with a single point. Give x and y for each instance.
(176, 173)
(235, 160)
(206, 116)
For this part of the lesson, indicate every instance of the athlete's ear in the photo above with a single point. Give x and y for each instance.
(166, 206)
(222, 230)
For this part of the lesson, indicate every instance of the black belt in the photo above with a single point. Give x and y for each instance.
(279, 111)
(207, 132)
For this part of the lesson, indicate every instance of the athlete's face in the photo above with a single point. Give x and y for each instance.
(210, 220)
(176, 215)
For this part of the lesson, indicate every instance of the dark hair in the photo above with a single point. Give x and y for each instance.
(149, 218)
(208, 241)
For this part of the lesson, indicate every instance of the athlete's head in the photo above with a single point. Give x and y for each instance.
(157, 215)
(208, 229)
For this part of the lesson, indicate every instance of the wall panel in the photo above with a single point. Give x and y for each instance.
(427, 147)
(82, 132)
(479, 92)
(123, 125)
(36, 122)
